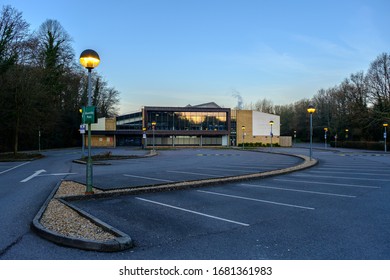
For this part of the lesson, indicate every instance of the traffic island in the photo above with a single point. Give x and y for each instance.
(63, 223)
(102, 159)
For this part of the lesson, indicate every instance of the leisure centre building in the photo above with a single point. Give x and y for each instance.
(200, 125)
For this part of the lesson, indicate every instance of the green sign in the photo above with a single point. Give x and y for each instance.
(89, 114)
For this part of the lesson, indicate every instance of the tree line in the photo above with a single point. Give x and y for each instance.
(354, 110)
(43, 86)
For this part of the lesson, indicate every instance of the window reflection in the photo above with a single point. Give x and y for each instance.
(188, 120)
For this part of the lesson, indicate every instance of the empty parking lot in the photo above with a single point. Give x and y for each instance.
(335, 210)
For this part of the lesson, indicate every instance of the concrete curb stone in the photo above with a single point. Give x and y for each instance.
(121, 242)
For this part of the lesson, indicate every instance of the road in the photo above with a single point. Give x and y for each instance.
(24, 186)
(335, 210)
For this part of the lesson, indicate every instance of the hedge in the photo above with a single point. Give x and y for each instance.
(364, 145)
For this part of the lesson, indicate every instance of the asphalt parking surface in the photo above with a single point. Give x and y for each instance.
(182, 165)
(336, 210)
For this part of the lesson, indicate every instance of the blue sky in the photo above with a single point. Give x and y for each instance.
(174, 53)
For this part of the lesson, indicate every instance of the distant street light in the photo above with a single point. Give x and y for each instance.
(144, 139)
(295, 137)
(346, 133)
(243, 135)
(325, 136)
(153, 128)
(39, 139)
(385, 135)
(89, 59)
(271, 123)
(311, 110)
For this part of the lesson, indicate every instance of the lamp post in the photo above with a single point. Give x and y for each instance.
(144, 139)
(311, 110)
(295, 137)
(39, 139)
(243, 135)
(325, 136)
(153, 128)
(346, 133)
(271, 123)
(385, 135)
(89, 59)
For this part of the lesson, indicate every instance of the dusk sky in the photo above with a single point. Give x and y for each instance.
(174, 53)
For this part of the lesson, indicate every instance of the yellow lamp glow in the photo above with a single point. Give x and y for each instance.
(89, 59)
(311, 109)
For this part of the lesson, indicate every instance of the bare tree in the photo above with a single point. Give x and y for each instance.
(265, 106)
(110, 99)
(378, 82)
(54, 45)
(13, 78)
(13, 32)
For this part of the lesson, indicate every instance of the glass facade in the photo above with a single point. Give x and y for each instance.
(206, 125)
(182, 140)
(212, 121)
(129, 122)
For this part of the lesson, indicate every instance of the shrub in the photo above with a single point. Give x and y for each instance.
(366, 145)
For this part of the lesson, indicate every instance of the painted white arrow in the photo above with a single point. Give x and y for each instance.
(36, 173)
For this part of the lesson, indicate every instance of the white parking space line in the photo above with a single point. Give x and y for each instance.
(148, 178)
(336, 177)
(258, 200)
(302, 191)
(223, 169)
(254, 166)
(193, 212)
(350, 173)
(347, 168)
(324, 183)
(57, 174)
(12, 168)
(191, 173)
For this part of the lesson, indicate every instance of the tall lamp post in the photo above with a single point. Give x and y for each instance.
(385, 135)
(311, 110)
(325, 136)
(144, 139)
(346, 133)
(153, 128)
(243, 135)
(89, 59)
(271, 123)
(295, 137)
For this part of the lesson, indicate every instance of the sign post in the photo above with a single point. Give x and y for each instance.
(82, 132)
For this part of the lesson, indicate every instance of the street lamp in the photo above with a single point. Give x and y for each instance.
(311, 110)
(385, 135)
(346, 133)
(271, 123)
(89, 59)
(39, 139)
(243, 135)
(295, 137)
(153, 127)
(144, 139)
(325, 131)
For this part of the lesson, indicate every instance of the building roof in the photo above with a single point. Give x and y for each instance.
(205, 105)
